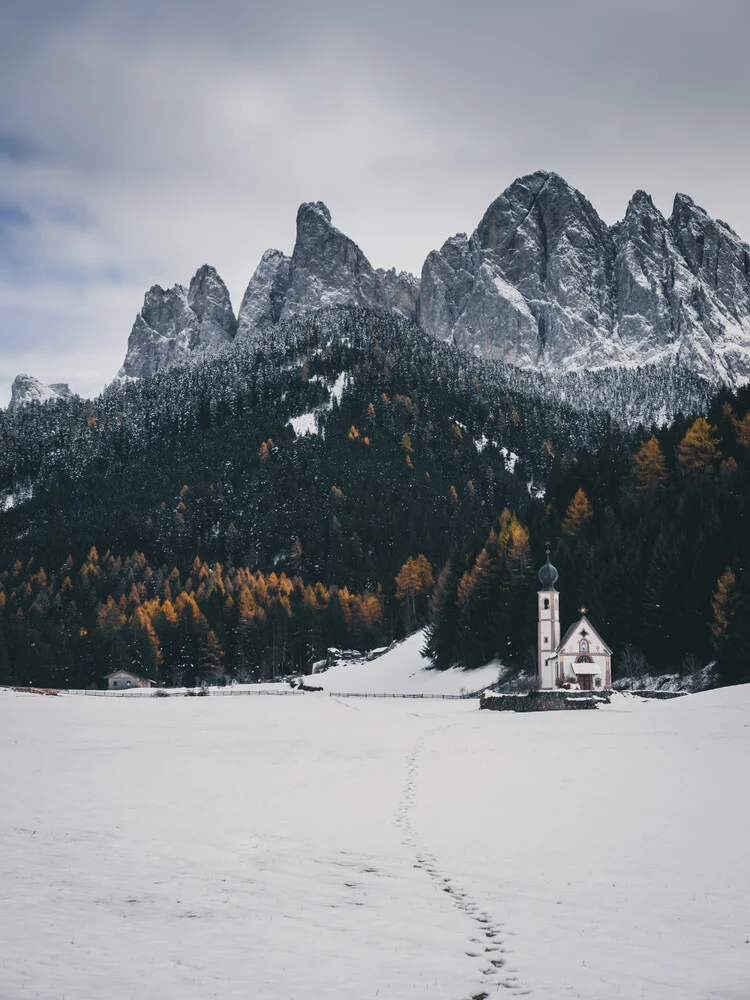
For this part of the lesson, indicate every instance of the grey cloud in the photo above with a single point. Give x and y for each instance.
(144, 139)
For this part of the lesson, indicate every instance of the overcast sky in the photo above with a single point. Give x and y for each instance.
(142, 138)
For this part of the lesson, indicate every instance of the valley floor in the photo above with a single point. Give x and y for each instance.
(315, 848)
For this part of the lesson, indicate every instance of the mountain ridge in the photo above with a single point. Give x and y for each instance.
(542, 283)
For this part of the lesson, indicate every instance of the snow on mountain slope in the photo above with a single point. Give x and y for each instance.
(307, 423)
(329, 848)
(402, 670)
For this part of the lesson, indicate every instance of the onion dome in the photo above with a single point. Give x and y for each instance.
(548, 574)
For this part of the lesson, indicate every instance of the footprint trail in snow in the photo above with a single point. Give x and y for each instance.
(486, 943)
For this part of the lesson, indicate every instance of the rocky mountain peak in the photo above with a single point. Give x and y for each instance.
(401, 291)
(641, 204)
(208, 298)
(311, 209)
(176, 322)
(447, 282)
(265, 294)
(26, 389)
(327, 268)
(542, 282)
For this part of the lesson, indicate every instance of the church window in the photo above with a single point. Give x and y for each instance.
(546, 603)
(583, 646)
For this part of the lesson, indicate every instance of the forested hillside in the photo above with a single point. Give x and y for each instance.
(413, 446)
(321, 461)
(649, 534)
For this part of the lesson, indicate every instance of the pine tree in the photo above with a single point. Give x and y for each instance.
(442, 632)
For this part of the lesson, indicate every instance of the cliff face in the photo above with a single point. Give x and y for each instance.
(541, 283)
(544, 283)
(179, 323)
(27, 389)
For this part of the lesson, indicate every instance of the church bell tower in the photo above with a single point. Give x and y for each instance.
(549, 625)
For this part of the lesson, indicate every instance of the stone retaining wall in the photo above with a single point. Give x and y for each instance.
(543, 701)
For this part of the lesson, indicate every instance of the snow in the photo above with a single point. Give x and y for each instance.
(403, 670)
(512, 295)
(337, 389)
(305, 423)
(510, 459)
(315, 847)
(14, 499)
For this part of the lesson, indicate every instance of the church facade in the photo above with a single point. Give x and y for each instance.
(581, 659)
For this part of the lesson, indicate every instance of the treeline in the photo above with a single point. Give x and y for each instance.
(652, 538)
(412, 451)
(417, 450)
(71, 627)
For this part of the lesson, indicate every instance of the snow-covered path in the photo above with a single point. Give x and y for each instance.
(486, 944)
(319, 849)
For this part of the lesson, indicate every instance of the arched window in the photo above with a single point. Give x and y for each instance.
(583, 646)
(546, 604)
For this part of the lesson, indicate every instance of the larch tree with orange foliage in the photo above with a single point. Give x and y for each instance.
(414, 580)
(649, 469)
(698, 451)
(723, 608)
(578, 514)
(742, 430)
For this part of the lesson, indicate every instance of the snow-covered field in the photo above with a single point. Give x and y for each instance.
(310, 848)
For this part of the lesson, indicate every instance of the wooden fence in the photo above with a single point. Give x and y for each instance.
(230, 691)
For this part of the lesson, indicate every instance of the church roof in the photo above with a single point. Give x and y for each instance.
(567, 635)
(575, 626)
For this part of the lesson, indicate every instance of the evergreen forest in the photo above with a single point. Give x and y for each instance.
(349, 479)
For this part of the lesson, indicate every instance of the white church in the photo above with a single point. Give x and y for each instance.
(581, 659)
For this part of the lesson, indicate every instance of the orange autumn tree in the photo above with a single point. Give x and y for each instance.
(723, 609)
(414, 580)
(698, 451)
(649, 469)
(578, 514)
(742, 430)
